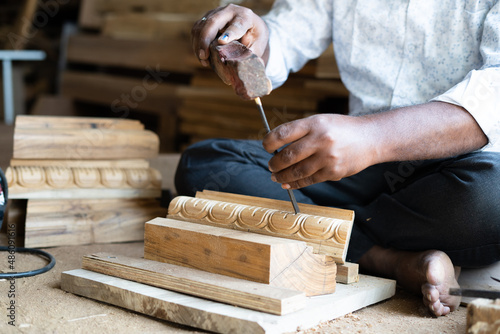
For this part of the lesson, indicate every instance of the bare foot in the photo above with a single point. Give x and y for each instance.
(430, 273)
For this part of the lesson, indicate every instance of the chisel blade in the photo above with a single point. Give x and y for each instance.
(268, 129)
(488, 294)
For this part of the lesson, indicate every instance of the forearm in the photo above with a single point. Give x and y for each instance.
(427, 131)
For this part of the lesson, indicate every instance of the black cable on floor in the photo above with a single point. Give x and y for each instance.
(31, 272)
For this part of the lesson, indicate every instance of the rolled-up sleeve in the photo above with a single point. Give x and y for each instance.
(299, 31)
(479, 92)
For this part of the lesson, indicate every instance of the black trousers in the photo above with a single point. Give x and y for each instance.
(452, 205)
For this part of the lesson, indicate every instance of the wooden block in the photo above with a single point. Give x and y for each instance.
(60, 122)
(347, 273)
(128, 164)
(483, 316)
(239, 67)
(279, 262)
(84, 144)
(327, 230)
(216, 317)
(233, 291)
(52, 223)
(79, 183)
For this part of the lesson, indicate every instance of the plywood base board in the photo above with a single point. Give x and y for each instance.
(221, 318)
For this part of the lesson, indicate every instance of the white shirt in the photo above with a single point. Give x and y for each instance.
(395, 53)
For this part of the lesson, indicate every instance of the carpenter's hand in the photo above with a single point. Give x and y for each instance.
(324, 147)
(234, 23)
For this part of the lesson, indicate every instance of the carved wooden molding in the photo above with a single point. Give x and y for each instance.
(327, 235)
(67, 182)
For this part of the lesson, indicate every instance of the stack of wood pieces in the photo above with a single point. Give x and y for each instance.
(235, 264)
(83, 180)
(211, 109)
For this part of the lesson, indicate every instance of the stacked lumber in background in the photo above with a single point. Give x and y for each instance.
(86, 180)
(234, 264)
(135, 57)
(128, 58)
(211, 109)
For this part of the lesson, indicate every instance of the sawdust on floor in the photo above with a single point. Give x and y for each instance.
(42, 307)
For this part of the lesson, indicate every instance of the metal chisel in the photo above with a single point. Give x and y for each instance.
(266, 125)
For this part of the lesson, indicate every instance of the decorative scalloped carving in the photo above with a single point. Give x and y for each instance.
(327, 235)
(36, 178)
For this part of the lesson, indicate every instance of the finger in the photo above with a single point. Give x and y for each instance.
(300, 170)
(285, 134)
(238, 27)
(318, 177)
(206, 30)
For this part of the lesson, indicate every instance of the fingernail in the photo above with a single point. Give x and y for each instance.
(429, 297)
(224, 37)
(273, 178)
(285, 186)
(201, 54)
(205, 63)
(432, 308)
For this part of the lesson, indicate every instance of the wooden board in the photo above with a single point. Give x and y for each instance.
(83, 144)
(93, 13)
(328, 233)
(279, 262)
(52, 223)
(80, 182)
(169, 54)
(59, 122)
(149, 26)
(221, 318)
(483, 316)
(233, 291)
(112, 90)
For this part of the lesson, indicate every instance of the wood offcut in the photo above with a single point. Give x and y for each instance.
(233, 291)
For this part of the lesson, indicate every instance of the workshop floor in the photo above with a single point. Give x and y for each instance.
(42, 307)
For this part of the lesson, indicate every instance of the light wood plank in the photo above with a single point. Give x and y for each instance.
(255, 296)
(220, 318)
(59, 122)
(279, 262)
(59, 222)
(84, 144)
